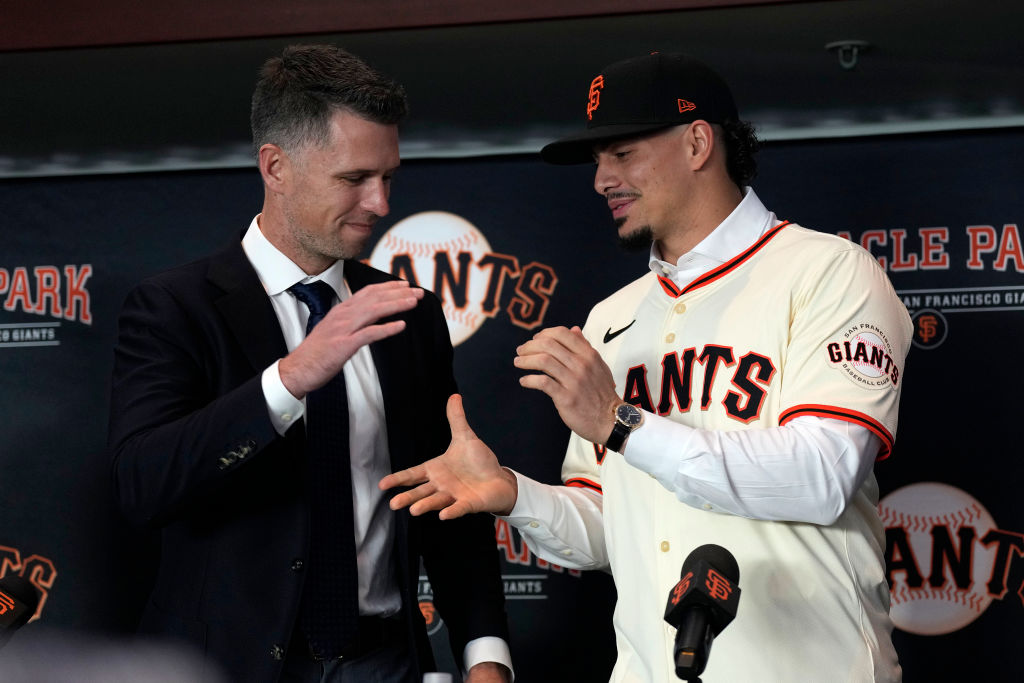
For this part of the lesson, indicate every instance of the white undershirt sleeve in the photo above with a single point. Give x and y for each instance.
(561, 524)
(805, 471)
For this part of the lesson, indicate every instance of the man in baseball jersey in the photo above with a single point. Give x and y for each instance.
(737, 394)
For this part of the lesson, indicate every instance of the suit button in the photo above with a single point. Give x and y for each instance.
(277, 652)
(297, 565)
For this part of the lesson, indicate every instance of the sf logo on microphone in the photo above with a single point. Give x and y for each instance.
(680, 590)
(718, 586)
(6, 602)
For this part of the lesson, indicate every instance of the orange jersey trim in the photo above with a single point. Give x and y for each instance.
(844, 414)
(721, 271)
(584, 483)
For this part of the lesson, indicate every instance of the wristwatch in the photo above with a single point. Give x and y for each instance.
(627, 418)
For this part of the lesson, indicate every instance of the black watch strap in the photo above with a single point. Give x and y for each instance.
(617, 438)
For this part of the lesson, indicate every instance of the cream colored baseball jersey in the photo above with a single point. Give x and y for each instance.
(799, 324)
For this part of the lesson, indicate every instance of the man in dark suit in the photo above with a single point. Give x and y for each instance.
(280, 558)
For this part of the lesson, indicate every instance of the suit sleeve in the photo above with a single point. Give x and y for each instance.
(460, 555)
(176, 436)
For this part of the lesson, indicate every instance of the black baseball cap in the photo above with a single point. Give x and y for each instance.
(643, 95)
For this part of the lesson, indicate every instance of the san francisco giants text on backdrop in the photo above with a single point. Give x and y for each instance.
(973, 252)
(448, 255)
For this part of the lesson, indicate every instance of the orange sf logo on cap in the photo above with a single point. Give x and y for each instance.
(594, 98)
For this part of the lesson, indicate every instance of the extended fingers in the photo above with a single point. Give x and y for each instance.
(410, 477)
(461, 431)
(435, 501)
(373, 302)
(421, 499)
(372, 333)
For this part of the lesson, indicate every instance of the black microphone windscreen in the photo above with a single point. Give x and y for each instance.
(19, 600)
(715, 555)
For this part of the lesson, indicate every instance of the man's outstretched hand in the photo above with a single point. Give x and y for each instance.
(464, 479)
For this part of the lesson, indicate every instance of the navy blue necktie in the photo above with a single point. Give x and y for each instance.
(330, 599)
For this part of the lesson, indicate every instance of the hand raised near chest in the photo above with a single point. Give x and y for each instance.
(348, 326)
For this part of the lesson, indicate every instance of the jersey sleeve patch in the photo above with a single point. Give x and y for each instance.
(864, 354)
(848, 415)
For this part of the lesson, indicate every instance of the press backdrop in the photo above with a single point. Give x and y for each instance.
(512, 246)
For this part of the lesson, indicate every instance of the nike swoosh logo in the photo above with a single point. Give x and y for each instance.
(609, 335)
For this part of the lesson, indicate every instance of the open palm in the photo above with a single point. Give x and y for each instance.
(464, 479)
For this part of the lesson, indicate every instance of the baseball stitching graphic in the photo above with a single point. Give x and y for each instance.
(422, 236)
(918, 508)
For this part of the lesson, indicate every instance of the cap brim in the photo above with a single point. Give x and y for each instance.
(579, 149)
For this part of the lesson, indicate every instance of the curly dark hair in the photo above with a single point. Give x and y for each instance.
(298, 92)
(741, 146)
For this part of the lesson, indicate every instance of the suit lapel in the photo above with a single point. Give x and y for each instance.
(246, 308)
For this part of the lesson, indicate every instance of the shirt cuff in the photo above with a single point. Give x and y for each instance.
(284, 408)
(557, 525)
(487, 649)
(532, 499)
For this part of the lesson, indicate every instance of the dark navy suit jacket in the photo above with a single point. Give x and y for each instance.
(196, 459)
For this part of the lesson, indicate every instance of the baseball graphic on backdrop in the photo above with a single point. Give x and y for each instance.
(438, 236)
(918, 509)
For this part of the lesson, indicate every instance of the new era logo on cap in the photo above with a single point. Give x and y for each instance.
(643, 95)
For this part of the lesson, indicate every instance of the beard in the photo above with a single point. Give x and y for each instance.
(638, 240)
(321, 245)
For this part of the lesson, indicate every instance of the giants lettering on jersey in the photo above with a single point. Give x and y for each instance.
(858, 352)
(865, 355)
(751, 375)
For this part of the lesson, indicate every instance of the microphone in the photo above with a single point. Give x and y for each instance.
(700, 605)
(19, 600)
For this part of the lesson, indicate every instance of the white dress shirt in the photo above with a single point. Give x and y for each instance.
(368, 447)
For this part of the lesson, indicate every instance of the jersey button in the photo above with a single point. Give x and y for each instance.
(670, 337)
(680, 308)
(665, 546)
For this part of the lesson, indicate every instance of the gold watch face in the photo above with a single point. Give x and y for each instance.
(629, 415)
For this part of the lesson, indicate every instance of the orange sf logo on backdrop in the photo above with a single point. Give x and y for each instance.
(448, 255)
